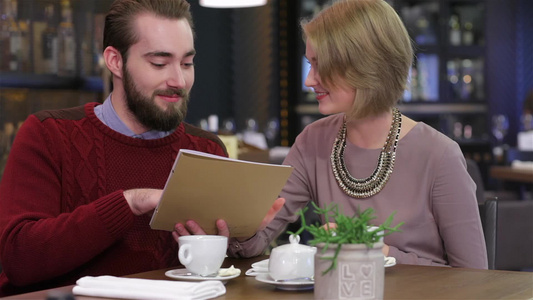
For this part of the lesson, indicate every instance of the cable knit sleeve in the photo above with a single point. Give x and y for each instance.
(38, 239)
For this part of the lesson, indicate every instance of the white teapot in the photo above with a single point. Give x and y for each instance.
(292, 261)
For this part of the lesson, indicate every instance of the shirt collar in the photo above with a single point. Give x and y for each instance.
(107, 114)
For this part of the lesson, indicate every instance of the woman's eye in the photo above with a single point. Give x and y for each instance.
(188, 65)
(158, 65)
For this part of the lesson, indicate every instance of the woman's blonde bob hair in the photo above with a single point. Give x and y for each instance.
(362, 44)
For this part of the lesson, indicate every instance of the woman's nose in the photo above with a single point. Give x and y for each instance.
(311, 79)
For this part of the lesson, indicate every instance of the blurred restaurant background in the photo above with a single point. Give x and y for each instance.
(471, 78)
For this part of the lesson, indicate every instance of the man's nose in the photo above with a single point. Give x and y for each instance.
(176, 78)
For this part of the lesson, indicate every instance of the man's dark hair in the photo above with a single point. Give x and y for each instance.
(119, 30)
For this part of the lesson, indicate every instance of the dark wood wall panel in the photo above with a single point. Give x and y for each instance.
(525, 50)
(501, 59)
(254, 85)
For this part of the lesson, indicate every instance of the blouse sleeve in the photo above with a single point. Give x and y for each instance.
(456, 212)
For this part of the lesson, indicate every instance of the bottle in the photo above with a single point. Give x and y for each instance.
(454, 78)
(468, 34)
(49, 49)
(20, 41)
(212, 122)
(11, 37)
(5, 52)
(66, 41)
(468, 87)
(23, 54)
(455, 30)
(85, 50)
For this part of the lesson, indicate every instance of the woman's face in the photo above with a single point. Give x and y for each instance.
(330, 100)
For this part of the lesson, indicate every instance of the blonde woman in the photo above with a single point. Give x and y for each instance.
(367, 154)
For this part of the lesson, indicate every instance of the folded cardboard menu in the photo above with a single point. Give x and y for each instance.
(204, 187)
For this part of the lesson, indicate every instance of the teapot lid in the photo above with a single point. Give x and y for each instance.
(294, 246)
(294, 239)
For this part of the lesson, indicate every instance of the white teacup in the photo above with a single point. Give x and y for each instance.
(292, 261)
(202, 254)
(374, 228)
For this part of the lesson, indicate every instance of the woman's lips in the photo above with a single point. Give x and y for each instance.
(320, 95)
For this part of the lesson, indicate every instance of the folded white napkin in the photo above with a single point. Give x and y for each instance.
(134, 288)
(522, 165)
(260, 267)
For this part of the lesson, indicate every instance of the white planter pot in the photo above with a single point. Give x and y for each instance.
(360, 272)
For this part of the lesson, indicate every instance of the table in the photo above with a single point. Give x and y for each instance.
(401, 282)
(511, 174)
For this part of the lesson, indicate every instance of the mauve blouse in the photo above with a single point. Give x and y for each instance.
(429, 189)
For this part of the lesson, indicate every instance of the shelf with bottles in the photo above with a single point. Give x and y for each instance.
(464, 126)
(449, 44)
(465, 123)
(50, 81)
(464, 80)
(51, 44)
(414, 108)
(463, 20)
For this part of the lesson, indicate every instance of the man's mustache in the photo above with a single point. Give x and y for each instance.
(169, 92)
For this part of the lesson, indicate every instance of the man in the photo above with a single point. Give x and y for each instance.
(80, 183)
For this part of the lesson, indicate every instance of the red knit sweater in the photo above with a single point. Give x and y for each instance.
(62, 211)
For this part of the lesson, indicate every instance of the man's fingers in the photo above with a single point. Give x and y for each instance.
(222, 228)
(175, 235)
(194, 228)
(180, 230)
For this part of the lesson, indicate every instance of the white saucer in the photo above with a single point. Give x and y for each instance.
(254, 272)
(390, 261)
(295, 285)
(183, 274)
(261, 266)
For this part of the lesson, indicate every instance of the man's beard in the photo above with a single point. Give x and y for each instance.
(148, 113)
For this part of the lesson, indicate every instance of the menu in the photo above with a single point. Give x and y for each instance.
(205, 187)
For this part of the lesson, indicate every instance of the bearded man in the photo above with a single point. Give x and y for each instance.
(80, 183)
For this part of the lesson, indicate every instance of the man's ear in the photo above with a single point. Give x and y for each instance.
(113, 61)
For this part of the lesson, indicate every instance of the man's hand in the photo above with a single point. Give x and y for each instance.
(191, 227)
(142, 201)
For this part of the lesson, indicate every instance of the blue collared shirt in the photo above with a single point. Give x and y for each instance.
(107, 114)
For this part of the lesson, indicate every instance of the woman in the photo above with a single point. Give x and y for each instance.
(360, 55)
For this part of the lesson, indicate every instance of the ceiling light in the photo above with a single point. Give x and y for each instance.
(232, 3)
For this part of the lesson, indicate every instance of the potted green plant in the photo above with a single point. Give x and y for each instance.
(349, 262)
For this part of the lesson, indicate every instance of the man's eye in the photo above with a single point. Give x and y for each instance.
(158, 65)
(188, 65)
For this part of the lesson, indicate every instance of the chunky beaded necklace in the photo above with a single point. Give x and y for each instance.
(366, 187)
